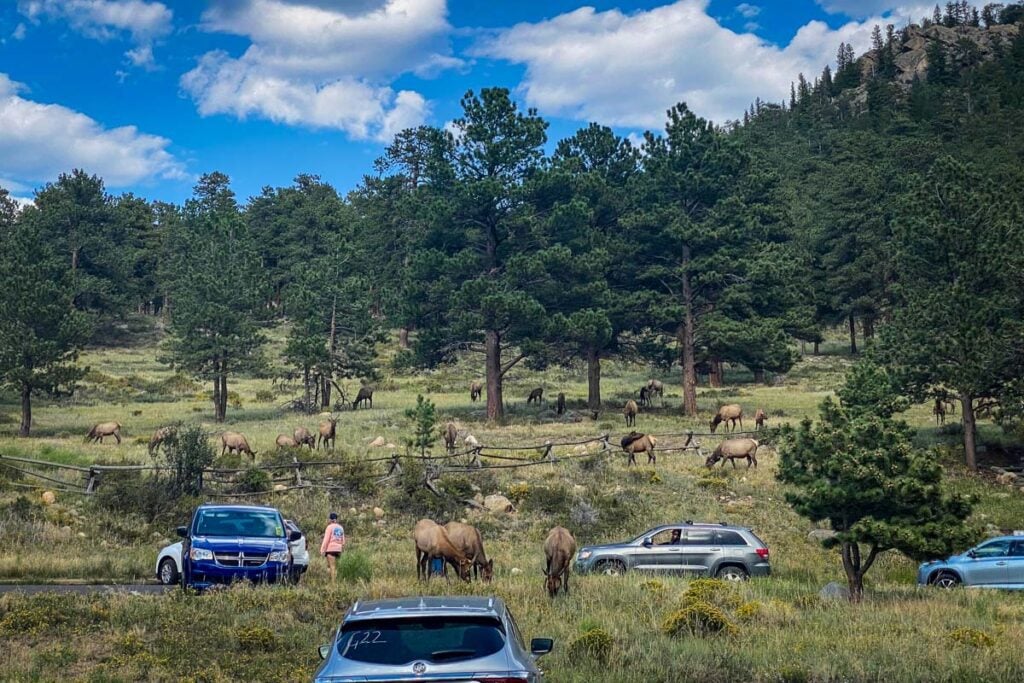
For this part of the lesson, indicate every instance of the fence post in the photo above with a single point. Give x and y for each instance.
(475, 462)
(93, 481)
(547, 452)
(298, 472)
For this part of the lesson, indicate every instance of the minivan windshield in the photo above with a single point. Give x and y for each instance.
(258, 523)
(430, 639)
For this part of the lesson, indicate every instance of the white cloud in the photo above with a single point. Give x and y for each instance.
(627, 69)
(747, 10)
(320, 66)
(143, 21)
(39, 141)
(862, 9)
(19, 31)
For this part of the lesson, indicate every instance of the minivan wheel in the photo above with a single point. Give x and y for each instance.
(946, 580)
(612, 568)
(168, 572)
(732, 574)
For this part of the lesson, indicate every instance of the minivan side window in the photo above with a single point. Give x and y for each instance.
(730, 538)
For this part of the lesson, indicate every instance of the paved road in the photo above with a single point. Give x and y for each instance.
(85, 589)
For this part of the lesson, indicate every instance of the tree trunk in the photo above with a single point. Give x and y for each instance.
(593, 379)
(817, 347)
(492, 360)
(74, 259)
(759, 376)
(686, 343)
(222, 408)
(216, 392)
(970, 432)
(306, 385)
(854, 572)
(715, 378)
(853, 335)
(26, 410)
(403, 338)
(325, 394)
(869, 328)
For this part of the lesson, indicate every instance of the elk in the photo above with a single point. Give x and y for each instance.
(630, 411)
(284, 441)
(728, 413)
(432, 541)
(365, 395)
(760, 418)
(645, 397)
(940, 411)
(328, 432)
(634, 443)
(159, 436)
(303, 437)
(560, 404)
(535, 395)
(734, 449)
(655, 387)
(475, 389)
(468, 539)
(559, 551)
(103, 430)
(450, 435)
(234, 442)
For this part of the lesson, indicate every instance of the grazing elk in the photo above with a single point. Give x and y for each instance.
(328, 432)
(159, 436)
(939, 411)
(634, 443)
(432, 541)
(537, 395)
(559, 551)
(284, 441)
(734, 449)
(303, 437)
(468, 539)
(560, 404)
(645, 397)
(760, 418)
(103, 430)
(731, 413)
(475, 389)
(365, 395)
(234, 442)
(630, 410)
(656, 388)
(450, 435)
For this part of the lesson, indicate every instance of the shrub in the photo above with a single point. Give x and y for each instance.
(583, 514)
(253, 481)
(972, 637)
(811, 601)
(652, 586)
(135, 493)
(355, 565)
(714, 591)
(593, 645)
(518, 492)
(548, 499)
(188, 452)
(265, 396)
(713, 484)
(749, 611)
(255, 638)
(699, 618)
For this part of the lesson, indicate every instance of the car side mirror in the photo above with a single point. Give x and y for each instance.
(294, 536)
(182, 531)
(323, 651)
(971, 554)
(648, 541)
(541, 646)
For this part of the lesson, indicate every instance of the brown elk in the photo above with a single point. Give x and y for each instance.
(468, 539)
(103, 430)
(535, 395)
(159, 436)
(303, 437)
(559, 551)
(645, 397)
(234, 442)
(475, 389)
(365, 395)
(760, 418)
(630, 410)
(939, 410)
(635, 442)
(328, 432)
(733, 450)
(560, 404)
(432, 541)
(731, 413)
(284, 441)
(450, 435)
(656, 388)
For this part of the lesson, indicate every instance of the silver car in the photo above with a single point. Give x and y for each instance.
(724, 551)
(431, 639)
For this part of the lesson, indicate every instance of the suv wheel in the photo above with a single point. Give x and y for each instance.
(732, 573)
(168, 572)
(612, 568)
(946, 580)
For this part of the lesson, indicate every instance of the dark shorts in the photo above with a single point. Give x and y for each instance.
(334, 553)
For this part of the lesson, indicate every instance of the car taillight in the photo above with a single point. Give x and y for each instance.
(762, 553)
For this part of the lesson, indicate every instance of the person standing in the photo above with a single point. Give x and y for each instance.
(333, 543)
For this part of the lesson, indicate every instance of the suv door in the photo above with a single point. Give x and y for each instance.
(698, 550)
(1015, 563)
(661, 555)
(988, 565)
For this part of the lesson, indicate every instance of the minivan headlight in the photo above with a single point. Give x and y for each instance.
(200, 554)
(278, 556)
(584, 555)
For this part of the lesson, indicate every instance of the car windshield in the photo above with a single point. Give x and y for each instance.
(431, 639)
(259, 523)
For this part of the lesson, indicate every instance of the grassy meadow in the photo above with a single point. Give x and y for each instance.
(609, 629)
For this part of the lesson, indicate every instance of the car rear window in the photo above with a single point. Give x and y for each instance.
(431, 639)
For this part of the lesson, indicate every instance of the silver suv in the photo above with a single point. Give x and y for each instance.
(431, 639)
(724, 551)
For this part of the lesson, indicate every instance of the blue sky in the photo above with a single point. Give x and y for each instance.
(151, 94)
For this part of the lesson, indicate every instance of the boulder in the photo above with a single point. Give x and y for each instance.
(391, 446)
(834, 591)
(49, 497)
(498, 503)
(378, 442)
(1007, 478)
(820, 535)
(352, 511)
(378, 512)
(478, 498)
(516, 571)
(280, 487)
(471, 441)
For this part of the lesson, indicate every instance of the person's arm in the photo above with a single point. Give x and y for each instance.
(327, 537)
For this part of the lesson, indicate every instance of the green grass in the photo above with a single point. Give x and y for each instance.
(899, 634)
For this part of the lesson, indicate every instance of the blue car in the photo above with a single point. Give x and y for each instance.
(228, 543)
(996, 563)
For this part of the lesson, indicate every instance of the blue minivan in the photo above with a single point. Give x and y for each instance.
(228, 543)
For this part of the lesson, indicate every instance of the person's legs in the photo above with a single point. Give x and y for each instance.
(331, 567)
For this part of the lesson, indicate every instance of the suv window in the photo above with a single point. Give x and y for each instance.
(698, 537)
(1017, 549)
(258, 523)
(431, 639)
(664, 537)
(730, 538)
(993, 549)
